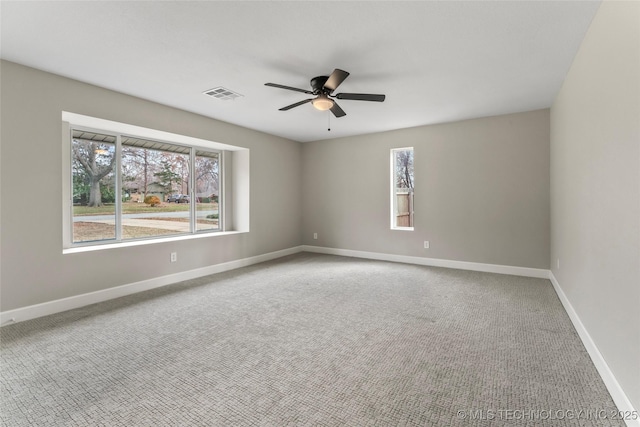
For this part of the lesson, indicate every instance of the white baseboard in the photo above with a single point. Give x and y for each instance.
(38, 310)
(617, 393)
(77, 301)
(433, 262)
(64, 304)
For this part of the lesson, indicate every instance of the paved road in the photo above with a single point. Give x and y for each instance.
(159, 224)
(100, 218)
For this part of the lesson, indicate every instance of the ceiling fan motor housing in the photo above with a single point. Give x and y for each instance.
(317, 83)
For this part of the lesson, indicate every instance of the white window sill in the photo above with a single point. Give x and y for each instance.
(100, 247)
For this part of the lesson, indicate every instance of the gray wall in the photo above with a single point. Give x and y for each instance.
(595, 188)
(482, 191)
(34, 270)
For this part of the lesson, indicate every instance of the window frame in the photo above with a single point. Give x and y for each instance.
(193, 185)
(393, 195)
(68, 242)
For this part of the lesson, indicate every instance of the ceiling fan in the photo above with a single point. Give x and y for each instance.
(322, 88)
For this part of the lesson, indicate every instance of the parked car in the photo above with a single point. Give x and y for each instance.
(183, 199)
(174, 198)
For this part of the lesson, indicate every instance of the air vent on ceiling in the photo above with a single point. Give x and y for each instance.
(222, 93)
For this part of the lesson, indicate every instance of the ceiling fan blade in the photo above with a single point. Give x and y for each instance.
(288, 107)
(289, 88)
(361, 97)
(335, 79)
(337, 111)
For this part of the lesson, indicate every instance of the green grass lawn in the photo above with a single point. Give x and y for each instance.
(140, 208)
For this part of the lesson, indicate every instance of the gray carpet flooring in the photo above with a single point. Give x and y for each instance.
(308, 340)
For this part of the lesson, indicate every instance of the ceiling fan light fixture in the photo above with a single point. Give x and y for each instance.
(322, 103)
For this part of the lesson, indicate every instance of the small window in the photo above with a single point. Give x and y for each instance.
(402, 188)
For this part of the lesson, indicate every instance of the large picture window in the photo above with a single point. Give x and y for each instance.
(402, 188)
(125, 188)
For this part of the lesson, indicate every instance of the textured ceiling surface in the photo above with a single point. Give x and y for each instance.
(435, 61)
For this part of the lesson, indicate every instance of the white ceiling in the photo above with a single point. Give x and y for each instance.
(436, 61)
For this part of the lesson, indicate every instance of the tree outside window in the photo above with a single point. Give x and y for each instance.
(402, 190)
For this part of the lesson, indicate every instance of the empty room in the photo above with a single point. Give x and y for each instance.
(320, 213)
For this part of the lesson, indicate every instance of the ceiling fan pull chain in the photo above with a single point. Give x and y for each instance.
(328, 121)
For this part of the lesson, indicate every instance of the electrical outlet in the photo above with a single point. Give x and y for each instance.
(426, 244)
(315, 236)
(174, 256)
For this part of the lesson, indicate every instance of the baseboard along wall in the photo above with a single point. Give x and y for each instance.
(77, 301)
(617, 393)
(39, 310)
(433, 262)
